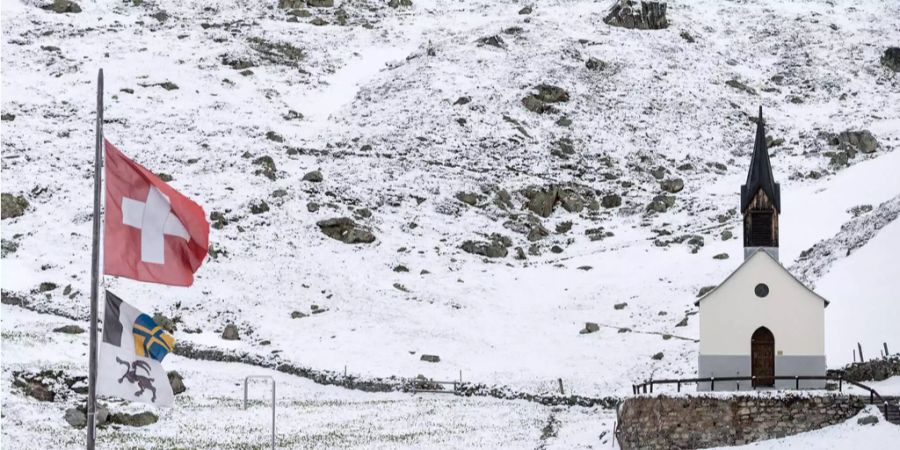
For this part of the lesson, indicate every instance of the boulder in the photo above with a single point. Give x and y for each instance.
(314, 177)
(661, 203)
(7, 247)
(542, 96)
(493, 41)
(620, 305)
(320, 3)
(62, 6)
(134, 420)
(721, 256)
(345, 230)
(482, 248)
(76, 418)
(12, 206)
(594, 64)
(852, 141)
(176, 381)
(867, 420)
(611, 201)
(266, 167)
(231, 333)
(297, 315)
(740, 86)
(648, 15)
(291, 4)
(537, 233)
(589, 327)
(891, 58)
(526, 10)
(399, 3)
(673, 185)
(657, 356)
(430, 358)
(69, 329)
(469, 198)
(259, 207)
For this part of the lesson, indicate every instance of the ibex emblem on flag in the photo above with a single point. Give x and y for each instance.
(132, 376)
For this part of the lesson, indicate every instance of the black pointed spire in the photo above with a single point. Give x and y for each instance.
(760, 174)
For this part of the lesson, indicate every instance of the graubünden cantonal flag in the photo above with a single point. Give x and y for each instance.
(153, 233)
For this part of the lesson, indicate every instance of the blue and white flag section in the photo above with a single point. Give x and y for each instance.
(130, 355)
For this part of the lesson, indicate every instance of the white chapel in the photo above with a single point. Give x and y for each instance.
(761, 321)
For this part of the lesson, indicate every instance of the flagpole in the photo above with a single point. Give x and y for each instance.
(95, 271)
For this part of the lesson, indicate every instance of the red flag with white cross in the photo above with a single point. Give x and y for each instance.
(153, 232)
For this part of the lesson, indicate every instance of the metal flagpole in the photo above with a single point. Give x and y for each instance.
(95, 271)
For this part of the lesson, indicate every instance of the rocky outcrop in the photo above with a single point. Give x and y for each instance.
(873, 370)
(818, 259)
(345, 230)
(862, 141)
(699, 422)
(543, 97)
(648, 15)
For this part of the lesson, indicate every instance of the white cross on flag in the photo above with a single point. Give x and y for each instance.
(153, 233)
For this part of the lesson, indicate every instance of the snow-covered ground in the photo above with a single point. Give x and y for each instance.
(382, 121)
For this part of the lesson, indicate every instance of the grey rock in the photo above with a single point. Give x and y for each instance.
(726, 235)
(69, 329)
(266, 167)
(537, 233)
(76, 418)
(12, 206)
(564, 227)
(673, 185)
(274, 137)
(488, 249)
(704, 290)
(430, 358)
(721, 256)
(526, 10)
(646, 15)
(312, 207)
(861, 140)
(589, 327)
(683, 322)
(298, 315)
(259, 207)
(469, 198)
(320, 3)
(141, 419)
(345, 230)
(594, 64)
(165, 322)
(7, 247)
(176, 381)
(657, 356)
(62, 6)
(891, 58)
(620, 305)
(493, 41)
(611, 201)
(740, 86)
(314, 177)
(867, 420)
(231, 333)
(46, 286)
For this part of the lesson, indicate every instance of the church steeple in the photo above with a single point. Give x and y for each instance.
(760, 199)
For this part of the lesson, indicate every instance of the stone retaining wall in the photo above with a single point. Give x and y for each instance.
(698, 422)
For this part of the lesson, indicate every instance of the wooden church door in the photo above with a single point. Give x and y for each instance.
(762, 357)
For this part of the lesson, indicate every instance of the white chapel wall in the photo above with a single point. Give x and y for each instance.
(730, 314)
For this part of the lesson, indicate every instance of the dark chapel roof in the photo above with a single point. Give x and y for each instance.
(760, 174)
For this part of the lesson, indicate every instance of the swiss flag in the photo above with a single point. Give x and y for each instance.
(153, 233)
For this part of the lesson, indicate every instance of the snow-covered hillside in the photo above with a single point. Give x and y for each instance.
(414, 117)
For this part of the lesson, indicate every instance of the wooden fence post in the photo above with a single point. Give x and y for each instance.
(861, 359)
(561, 390)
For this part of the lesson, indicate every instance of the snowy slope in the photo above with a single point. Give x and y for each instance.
(381, 120)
